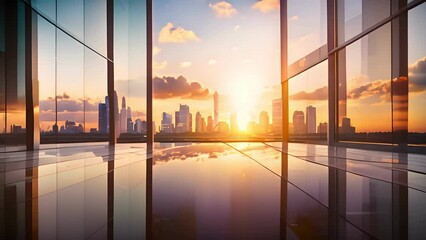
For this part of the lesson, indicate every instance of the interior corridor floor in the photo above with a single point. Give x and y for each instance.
(211, 191)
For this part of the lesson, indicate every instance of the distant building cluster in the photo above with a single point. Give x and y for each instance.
(183, 121)
(309, 126)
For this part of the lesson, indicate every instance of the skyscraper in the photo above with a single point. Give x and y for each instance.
(116, 115)
(209, 124)
(123, 116)
(184, 119)
(311, 119)
(277, 124)
(263, 121)
(216, 108)
(299, 122)
(167, 123)
(129, 120)
(198, 127)
(103, 118)
(203, 125)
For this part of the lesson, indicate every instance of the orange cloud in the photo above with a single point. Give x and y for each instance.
(223, 9)
(171, 34)
(170, 87)
(266, 5)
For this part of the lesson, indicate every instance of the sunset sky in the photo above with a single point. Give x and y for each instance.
(229, 47)
(232, 47)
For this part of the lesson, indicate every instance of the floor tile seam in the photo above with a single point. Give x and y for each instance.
(354, 160)
(35, 197)
(300, 189)
(73, 160)
(351, 172)
(47, 175)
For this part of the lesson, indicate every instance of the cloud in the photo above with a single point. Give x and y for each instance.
(67, 105)
(237, 27)
(317, 95)
(378, 87)
(171, 34)
(382, 88)
(156, 50)
(417, 76)
(266, 5)
(159, 65)
(212, 62)
(185, 64)
(170, 87)
(294, 18)
(223, 9)
(63, 96)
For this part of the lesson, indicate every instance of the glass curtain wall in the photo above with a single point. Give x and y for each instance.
(417, 75)
(307, 70)
(12, 76)
(380, 76)
(130, 70)
(72, 70)
(217, 70)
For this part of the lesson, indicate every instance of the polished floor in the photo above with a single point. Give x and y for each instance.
(211, 191)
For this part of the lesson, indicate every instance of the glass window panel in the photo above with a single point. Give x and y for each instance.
(70, 86)
(355, 16)
(45, 7)
(96, 92)
(308, 104)
(95, 32)
(15, 76)
(70, 15)
(130, 69)
(417, 74)
(307, 27)
(46, 40)
(2, 77)
(364, 70)
(297, 86)
(221, 57)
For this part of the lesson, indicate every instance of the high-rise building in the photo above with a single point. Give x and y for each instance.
(322, 127)
(311, 119)
(203, 125)
(138, 126)
(116, 115)
(277, 124)
(129, 120)
(130, 125)
(263, 122)
(167, 123)
(103, 117)
(123, 116)
(184, 119)
(233, 123)
(216, 108)
(209, 124)
(346, 127)
(299, 122)
(198, 126)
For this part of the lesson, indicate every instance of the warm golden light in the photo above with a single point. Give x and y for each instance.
(244, 92)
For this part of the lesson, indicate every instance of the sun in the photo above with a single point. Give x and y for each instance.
(244, 95)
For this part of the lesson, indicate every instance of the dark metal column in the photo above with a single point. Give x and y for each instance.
(332, 59)
(400, 79)
(149, 120)
(284, 69)
(149, 87)
(110, 69)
